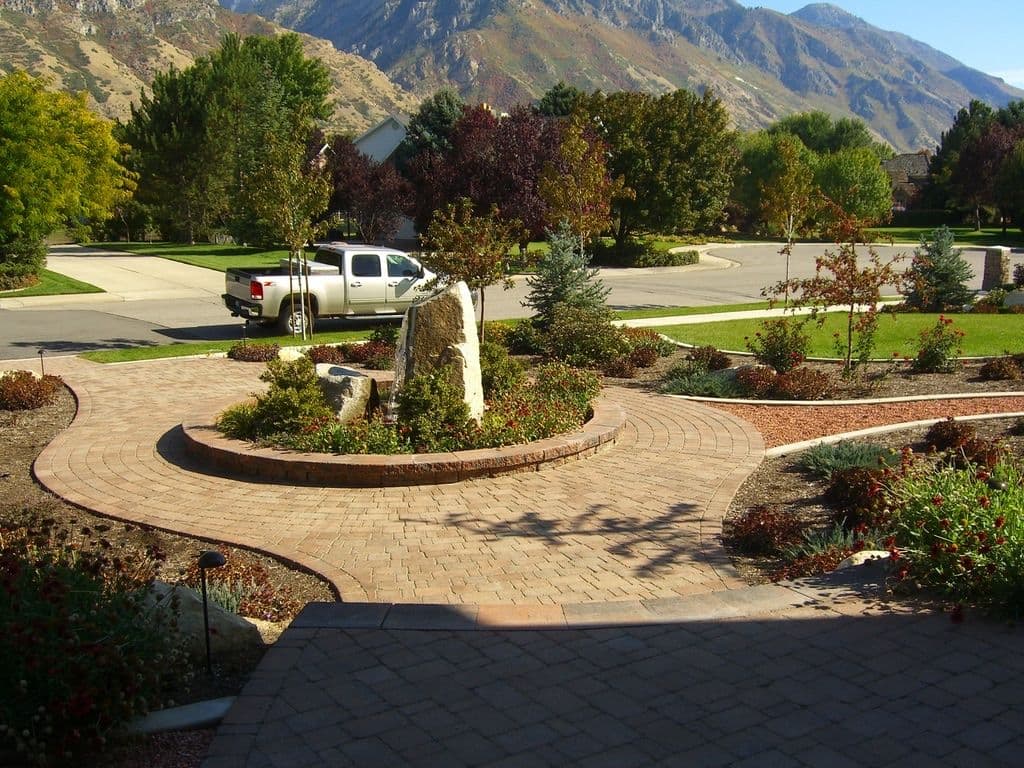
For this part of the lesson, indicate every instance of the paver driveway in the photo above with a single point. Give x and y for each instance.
(638, 521)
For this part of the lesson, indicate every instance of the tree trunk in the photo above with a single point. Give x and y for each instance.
(481, 315)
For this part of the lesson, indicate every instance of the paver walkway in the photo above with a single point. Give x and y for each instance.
(638, 521)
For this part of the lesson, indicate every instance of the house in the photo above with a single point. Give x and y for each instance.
(909, 176)
(381, 141)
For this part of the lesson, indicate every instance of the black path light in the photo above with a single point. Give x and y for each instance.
(42, 368)
(208, 559)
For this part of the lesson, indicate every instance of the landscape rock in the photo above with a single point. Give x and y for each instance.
(350, 393)
(228, 633)
(437, 331)
(290, 354)
(864, 557)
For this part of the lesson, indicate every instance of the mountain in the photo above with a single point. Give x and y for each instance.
(762, 63)
(112, 48)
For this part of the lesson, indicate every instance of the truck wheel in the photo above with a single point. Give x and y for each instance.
(291, 320)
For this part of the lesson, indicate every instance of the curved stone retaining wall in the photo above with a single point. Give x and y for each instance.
(205, 444)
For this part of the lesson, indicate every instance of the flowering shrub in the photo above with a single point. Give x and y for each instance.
(621, 367)
(431, 408)
(643, 357)
(82, 656)
(709, 358)
(781, 343)
(584, 336)
(756, 381)
(499, 373)
(647, 344)
(765, 530)
(370, 353)
(938, 347)
(960, 530)
(23, 391)
(243, 586)
(859, 496)
(250, 352)
(326, 353)
(801, 384)
(979, 452)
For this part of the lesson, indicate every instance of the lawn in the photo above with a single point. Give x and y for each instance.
(637, 314)
(53, 284)
(964, 235)
(218, 257)
(984, 334)
(205, 347)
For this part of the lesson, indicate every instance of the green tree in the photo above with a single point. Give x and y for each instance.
(856, 184)
(823, 135)
(676, 152)
(430, 129)
(938, 274)
(970, 122)
(563, 276)
(560, 100)
(59, 165)
(1009, 185)
(470, 247)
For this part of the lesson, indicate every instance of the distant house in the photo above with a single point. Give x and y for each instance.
(381, 141)
(909, 176)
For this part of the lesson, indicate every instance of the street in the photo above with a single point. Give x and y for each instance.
(152, 301)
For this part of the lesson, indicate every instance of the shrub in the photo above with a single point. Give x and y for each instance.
(643, 357)
(584, 336)
(958, 532)
(326, 353)
(385, 334)
(949, 434)
(82, 655)
(1001, 369)
(938, 275)
(979, 452)
(621, 367)
(656, 258)
(251, 352)
(21, 258)
(801, 384)
(237, 422)
(700, 384)
(525, 339)
(938, 347)
(709, 358)
(859, 496)
(431, 409)
(765, 530)
(243, 586)
(823, 460)
(641, 254)
(369, 351)
(498, 333)
(382, 357)
(573, 388)
(781, 343)
(649, 343)
(1018, 276)
(499, 373)
(756, 381)
(24, 391)
(293, 402)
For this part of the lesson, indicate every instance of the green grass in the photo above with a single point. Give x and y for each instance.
(53, 284)
(637, 314)
(984, 334)
(217, 257)
(964, 235)
(134, 354)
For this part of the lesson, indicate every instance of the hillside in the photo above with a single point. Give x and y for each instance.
(112, 48)
(762, 63)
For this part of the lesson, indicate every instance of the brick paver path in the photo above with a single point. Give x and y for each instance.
(638, 521)
(835, 684)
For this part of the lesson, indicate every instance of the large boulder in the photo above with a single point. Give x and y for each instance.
(229, 633)
(438, 331)
(350, 393)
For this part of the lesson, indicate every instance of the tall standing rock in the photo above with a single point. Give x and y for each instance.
(439, 331)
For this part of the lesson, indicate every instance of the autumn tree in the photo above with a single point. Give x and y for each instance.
(470, 247)
(970, 122)
(59, 165)
(371, 194)
(576, 185)
(977, 166)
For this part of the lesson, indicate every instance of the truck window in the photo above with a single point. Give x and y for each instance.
(328, 257)
(365, 265)
(402, 266)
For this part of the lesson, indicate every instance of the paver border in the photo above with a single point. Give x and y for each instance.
(205, 444)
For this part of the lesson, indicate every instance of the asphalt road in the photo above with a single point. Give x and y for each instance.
(151, 301)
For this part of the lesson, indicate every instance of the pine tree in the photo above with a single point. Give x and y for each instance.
(938, 274)
(563, 276)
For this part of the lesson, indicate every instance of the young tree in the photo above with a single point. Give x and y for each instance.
(59, 164)
(855, 182)
(563, 276)
(470, 247)
(938, 274)
(576, 186)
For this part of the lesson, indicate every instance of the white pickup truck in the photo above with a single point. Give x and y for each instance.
(345, 280)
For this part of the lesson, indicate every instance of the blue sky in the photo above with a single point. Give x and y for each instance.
(984, 34)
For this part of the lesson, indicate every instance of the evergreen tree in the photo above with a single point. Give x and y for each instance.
(563, 277)
(938, 274)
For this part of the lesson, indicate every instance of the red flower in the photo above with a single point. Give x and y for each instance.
(937, 499)
(1000, 521)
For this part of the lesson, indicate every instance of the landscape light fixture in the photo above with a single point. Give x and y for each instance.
(42, 368)
(208, 559)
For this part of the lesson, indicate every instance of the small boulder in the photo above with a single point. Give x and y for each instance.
(290, 354)
(865, 556)
(350, 393)
(228, 633)
(439, 331)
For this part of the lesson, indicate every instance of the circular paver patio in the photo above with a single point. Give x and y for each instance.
(638, 521)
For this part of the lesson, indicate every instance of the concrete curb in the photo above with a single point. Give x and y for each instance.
(189, 717)
(866, 401)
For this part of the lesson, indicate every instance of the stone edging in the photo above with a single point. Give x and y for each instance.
(205, 444)
(865, 401)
